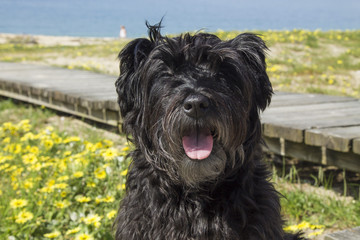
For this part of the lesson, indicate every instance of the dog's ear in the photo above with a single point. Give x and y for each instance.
(253, 50)
(132, 57)
(128, 85)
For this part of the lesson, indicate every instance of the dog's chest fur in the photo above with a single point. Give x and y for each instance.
(162, 211)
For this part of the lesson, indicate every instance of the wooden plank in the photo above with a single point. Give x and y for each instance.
(339, 139)
(57, 107)
(349, 160)
(275, 111)
(113, 104)
(295, 150)
(281, 131)
(307, 117)
(294, 131)
(294, 99)
(7, 66)
(31, 75)
(291, 127)
(349, 234)
(356, 145)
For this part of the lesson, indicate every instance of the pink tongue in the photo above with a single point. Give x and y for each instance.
(198, 145)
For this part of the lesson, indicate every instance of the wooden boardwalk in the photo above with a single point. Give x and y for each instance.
(317, 128)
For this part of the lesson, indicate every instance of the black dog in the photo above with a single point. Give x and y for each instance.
(191, 106)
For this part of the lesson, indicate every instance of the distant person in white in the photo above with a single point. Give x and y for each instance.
(122, 32)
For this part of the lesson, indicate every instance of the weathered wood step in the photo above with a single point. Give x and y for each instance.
(350, 234)
(338, 138)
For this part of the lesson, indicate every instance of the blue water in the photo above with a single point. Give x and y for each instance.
(103, 18)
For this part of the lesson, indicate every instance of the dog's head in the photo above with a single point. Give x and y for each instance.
(191, 103)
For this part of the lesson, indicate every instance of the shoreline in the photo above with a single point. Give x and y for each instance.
(48, 40)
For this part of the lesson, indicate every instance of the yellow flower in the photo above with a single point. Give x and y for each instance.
(89, 147)
(340, 62)
(8, 126)
(27, 136)
(92, 219)
(48, 143)
(61, 185)
(109, 154)
(316, 233)
(18, 203)
(6, 140)
(15, 186)
(125, 149)
(98, 145)
(83, 236)
(4, 166)
(57, 140)
(52, 235)
(67, 153)
(107, 199)
(302, 226)
(78, 174)
(63, 178)
(28, 184)
(1, 192)
(91, 184)
(50, 183)
(34, 150)
(98, 200)
(24, 125)
(83, 199)
(71, 139)
(317, 227)
(100, 173)
(108, 143)
(124, 173)
(111, 214)
(23, 217)
(46, 189)
(29, 158)
(72, 231)
(17, 148)
(62, 204)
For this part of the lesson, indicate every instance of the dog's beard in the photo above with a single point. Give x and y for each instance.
(194, 172)
(196, 151)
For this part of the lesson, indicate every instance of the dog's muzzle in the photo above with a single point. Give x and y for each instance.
(198, 143)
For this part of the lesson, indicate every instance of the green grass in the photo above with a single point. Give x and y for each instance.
(308, 196)
(299, 205)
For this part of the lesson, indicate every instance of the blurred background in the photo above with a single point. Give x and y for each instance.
(93, 18)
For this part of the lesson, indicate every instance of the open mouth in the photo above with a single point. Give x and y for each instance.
(198, 143)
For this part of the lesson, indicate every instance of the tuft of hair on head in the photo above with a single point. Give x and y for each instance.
(154, 31)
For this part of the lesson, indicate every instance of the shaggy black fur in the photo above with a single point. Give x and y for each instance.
(196, 85)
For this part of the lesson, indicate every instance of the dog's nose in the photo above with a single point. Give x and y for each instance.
(195, 106)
